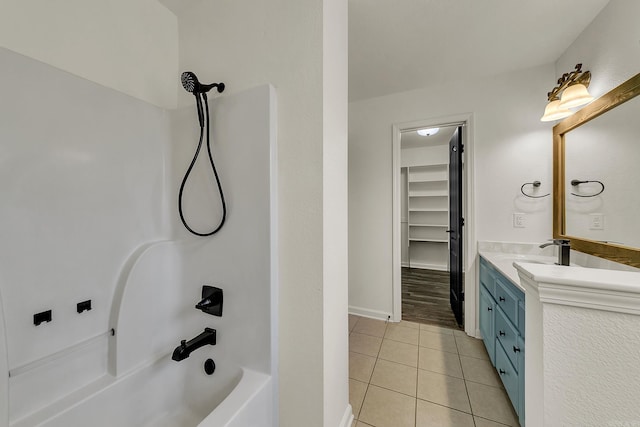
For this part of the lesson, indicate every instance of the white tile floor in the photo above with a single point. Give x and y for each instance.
(414, 375)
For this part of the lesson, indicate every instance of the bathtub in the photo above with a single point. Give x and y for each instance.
(166, 394)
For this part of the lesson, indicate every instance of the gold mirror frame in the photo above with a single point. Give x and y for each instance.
(615, 97)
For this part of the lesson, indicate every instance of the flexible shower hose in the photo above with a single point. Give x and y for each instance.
(213, 167)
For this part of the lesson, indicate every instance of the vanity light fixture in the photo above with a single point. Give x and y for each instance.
(428, 132)
(571, 92)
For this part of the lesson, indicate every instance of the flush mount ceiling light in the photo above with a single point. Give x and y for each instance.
(571, 92)
(428, 132)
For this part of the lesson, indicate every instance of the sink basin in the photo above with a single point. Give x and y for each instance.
(533, 259)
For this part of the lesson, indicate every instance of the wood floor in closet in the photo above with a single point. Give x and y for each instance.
(425, 297)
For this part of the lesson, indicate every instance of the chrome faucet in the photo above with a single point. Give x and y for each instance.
(563, 250)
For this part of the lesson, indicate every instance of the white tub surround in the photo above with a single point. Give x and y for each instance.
(583, 329)
(90, 178)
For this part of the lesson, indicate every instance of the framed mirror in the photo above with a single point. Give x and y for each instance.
(596, 176)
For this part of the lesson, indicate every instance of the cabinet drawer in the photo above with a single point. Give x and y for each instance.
(487, 277)
(507, 335)
(506, 299)
(509, 377)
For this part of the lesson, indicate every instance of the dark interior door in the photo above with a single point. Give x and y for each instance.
(456, 223)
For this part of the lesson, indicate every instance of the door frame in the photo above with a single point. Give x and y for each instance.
(469, 242)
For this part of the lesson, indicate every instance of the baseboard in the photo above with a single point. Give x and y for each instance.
(427, 266)
(348, 417)
(373, 314)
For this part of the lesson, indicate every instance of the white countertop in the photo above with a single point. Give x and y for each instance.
(591, 274)
(591, 278)
(504, 263)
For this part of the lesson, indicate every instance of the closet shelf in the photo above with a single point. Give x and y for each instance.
(433, 193)
(428, 210)
(427, 207)
(444, 179)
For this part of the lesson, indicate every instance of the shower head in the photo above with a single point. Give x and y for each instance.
(192, 85)
(189, 81)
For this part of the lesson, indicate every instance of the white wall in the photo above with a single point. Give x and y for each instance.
(335, 213)
(293, 46)
(404, 218)
(511, 147)
(419, 156)
(609, 47)
(129, 46)
(595, 385)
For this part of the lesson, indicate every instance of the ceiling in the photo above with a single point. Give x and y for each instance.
(411, 139)
(176, 6)
(401, 45)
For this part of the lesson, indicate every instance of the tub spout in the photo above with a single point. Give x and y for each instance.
(208, 337)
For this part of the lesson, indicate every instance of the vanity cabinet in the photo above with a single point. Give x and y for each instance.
(502, 327)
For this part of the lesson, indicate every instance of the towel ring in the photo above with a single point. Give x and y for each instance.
(576, 182)
(535, 184)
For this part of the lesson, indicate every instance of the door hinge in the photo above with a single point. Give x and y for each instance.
(461, 222)
(462, 148)
(462, 296)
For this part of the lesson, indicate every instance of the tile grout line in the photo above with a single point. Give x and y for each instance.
(465, 382)
(417, 368)
(415, 417)
(372, 371)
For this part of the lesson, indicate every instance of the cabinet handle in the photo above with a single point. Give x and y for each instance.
(502, 372)
(489, 309)
(516, 349)
(501, 299)
(501, 333)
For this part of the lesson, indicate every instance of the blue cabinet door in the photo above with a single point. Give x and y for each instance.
(502, 317)
(520, 358)
(487, 323)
